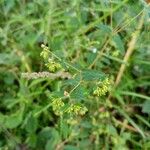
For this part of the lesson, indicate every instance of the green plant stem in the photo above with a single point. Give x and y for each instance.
(131, 47)
(93, 24)
(64, 61)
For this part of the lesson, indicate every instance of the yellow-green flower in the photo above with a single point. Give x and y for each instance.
(105, 114)
(52, 65)
(44, 47)
(76, 109)
(45, 52)
(57, 104)
(103, 88)
(115, 53)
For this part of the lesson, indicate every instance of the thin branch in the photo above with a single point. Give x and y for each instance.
(128, 22)
(125, 125)
(115, 31)
(131, 47)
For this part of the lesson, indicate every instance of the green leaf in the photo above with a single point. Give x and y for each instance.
(73, 81)
(79, 93)
(104, 28)
(8, 59)
(9, 5)
(13, 120)
(2, 118)
(31, 124)
(54, 140)
(49, 145)
(64, 129)
(118, 43)
(100, 35)
(32, 140)
(146, 107)
(111, 129)
(88, 75)
(84, 144)
(43, 136)
(71, 147)
(9, 78)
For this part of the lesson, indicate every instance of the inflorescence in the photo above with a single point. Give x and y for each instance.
(51, 63)
(103, 88)
(74, 109)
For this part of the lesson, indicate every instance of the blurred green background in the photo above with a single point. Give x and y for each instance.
(76, 31)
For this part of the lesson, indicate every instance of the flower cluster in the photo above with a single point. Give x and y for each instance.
(51, 64)
(45, 52)
(115, 53)
(103, 88)
(76, 109)
(72, 121)
(105, 114)
(57, 105)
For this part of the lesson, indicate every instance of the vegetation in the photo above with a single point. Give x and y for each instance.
(74, 74)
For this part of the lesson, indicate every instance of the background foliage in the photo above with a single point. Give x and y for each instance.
(90, 38)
